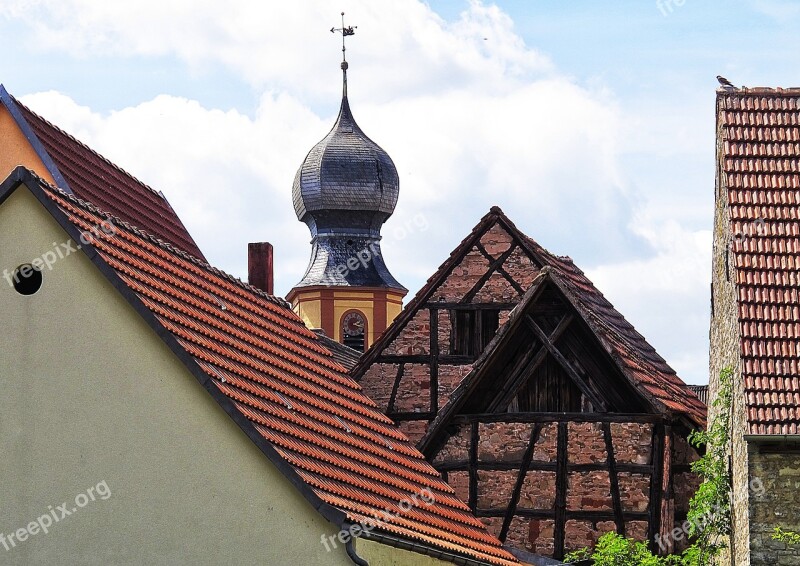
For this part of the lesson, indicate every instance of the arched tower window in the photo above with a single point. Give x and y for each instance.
(354, 329)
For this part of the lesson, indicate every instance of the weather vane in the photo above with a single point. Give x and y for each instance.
(345, 31)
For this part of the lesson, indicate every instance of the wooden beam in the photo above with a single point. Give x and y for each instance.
(565, 365)
(523, 471)
(605, 371)
(444, 359)
(493, 265)
(516, 377)
(560, 417)
(473, 466)
(614, 479)
(654, 505)
(562, 480)
(434, 360)
(576, 514)
(441, 305)
(500, 270)
(667, 521)
(542, 466)
(395, 388)
(516, 380)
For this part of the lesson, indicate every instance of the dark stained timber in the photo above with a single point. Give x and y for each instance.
(561, 492)
(523, 470)
(614, 479)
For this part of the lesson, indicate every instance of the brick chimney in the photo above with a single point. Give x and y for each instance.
(259, 266)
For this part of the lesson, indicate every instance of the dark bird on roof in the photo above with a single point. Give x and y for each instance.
(725, 82)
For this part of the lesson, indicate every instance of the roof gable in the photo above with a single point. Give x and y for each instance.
(79, 170)
(545, 325)
(758, 149)
(495, 217)
(278, 383)
(631, 353)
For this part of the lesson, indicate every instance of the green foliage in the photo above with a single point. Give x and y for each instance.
(615, 550)
(709, 514)
(710, 508)
(789, 537)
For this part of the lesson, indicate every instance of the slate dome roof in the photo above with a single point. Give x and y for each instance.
(347, 183)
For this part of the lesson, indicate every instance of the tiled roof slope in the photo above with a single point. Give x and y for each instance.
(90, 176)
(261, 363)
(759, 167)
(345, 355)
(701, 391)
(638, 360)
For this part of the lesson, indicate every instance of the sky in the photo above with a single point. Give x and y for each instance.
(590, 123)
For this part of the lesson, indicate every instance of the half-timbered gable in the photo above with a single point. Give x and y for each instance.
(409, 373)
(552, 442)
(539, 403)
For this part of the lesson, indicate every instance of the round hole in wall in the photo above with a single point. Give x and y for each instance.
(27, 279)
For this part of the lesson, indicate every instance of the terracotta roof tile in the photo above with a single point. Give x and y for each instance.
(258, 354)
(92, 177)
(759, 161)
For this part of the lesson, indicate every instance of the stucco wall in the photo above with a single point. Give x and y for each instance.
(90, 395)
(380, 554)
(17, 150)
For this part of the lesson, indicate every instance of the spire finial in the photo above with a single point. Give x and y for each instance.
(345, 31)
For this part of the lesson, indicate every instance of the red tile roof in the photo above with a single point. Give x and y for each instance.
(255, 355)
(759, 167)
(92, 177)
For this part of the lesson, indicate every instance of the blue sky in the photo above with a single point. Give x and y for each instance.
(590, 123)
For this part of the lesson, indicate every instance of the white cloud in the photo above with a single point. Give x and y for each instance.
(662, 295)
(401, 45)
(471, 115)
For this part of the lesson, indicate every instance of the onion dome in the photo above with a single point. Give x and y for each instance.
(346, 188)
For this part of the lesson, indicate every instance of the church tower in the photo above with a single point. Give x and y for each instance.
(346, 188)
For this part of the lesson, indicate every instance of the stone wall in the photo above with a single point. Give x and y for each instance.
(504, 444)
(774, 502)
(725, 353)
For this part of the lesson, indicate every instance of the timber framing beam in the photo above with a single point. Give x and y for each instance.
(560, 417)
(473, 467)
(434, 364)
(543, 466)
(611, 461)
(569, 514)
(523, 471)
(520, 375)
(562, 484)
(596, 401)
(654, 507)
(395, 387)
(499, 269)
(494, 264)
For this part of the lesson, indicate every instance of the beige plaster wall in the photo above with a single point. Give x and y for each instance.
(91, 397)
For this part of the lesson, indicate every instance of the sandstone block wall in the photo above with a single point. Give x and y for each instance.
(776, 505)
